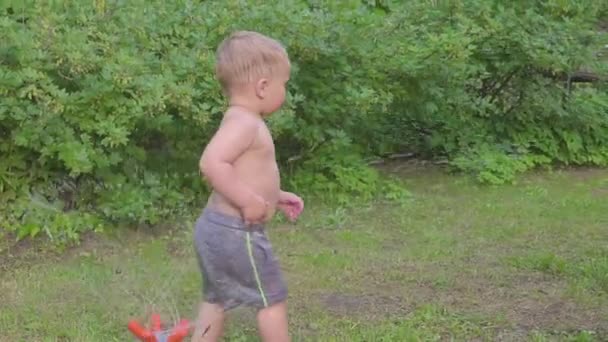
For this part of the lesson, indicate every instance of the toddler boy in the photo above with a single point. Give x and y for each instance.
(235, 256)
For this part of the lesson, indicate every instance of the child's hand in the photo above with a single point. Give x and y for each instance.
(291, 205)
(255, 212)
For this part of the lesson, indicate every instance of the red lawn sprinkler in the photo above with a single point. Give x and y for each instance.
(156, 334)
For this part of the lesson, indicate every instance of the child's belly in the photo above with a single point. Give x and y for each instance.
(264, 181)
(219, 203)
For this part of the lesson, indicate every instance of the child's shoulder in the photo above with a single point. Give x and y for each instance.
(241, 117)
(238, 125)
(239, 120)
(236, 133)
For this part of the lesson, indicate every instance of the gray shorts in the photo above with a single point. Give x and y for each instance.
(236, 262)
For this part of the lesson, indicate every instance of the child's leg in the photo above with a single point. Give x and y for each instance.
(209, 325)
(272, 323)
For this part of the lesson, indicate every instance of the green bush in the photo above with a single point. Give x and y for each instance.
(486, 85)
(106, 105)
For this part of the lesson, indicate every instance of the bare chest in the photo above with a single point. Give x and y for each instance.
(263, 146)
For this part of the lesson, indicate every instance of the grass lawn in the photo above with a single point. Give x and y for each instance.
(457, 261)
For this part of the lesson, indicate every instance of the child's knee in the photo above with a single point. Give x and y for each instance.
(279, 308)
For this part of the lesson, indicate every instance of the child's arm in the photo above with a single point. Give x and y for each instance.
(291, 204)
(233, 138)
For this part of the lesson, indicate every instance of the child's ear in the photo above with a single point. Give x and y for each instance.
(260, 88)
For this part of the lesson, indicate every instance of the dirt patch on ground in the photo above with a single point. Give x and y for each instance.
(585, 173)
(179, 246)
(516, 303)
(389, 294)
(27, 252)
(527, 301)
(603, 26)
(600, 192)
(14, 254)
(370, 306)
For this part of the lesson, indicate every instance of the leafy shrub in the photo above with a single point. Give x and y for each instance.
(493, 165)
(105, 106)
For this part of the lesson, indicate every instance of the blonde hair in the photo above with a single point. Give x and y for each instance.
(245, 56)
